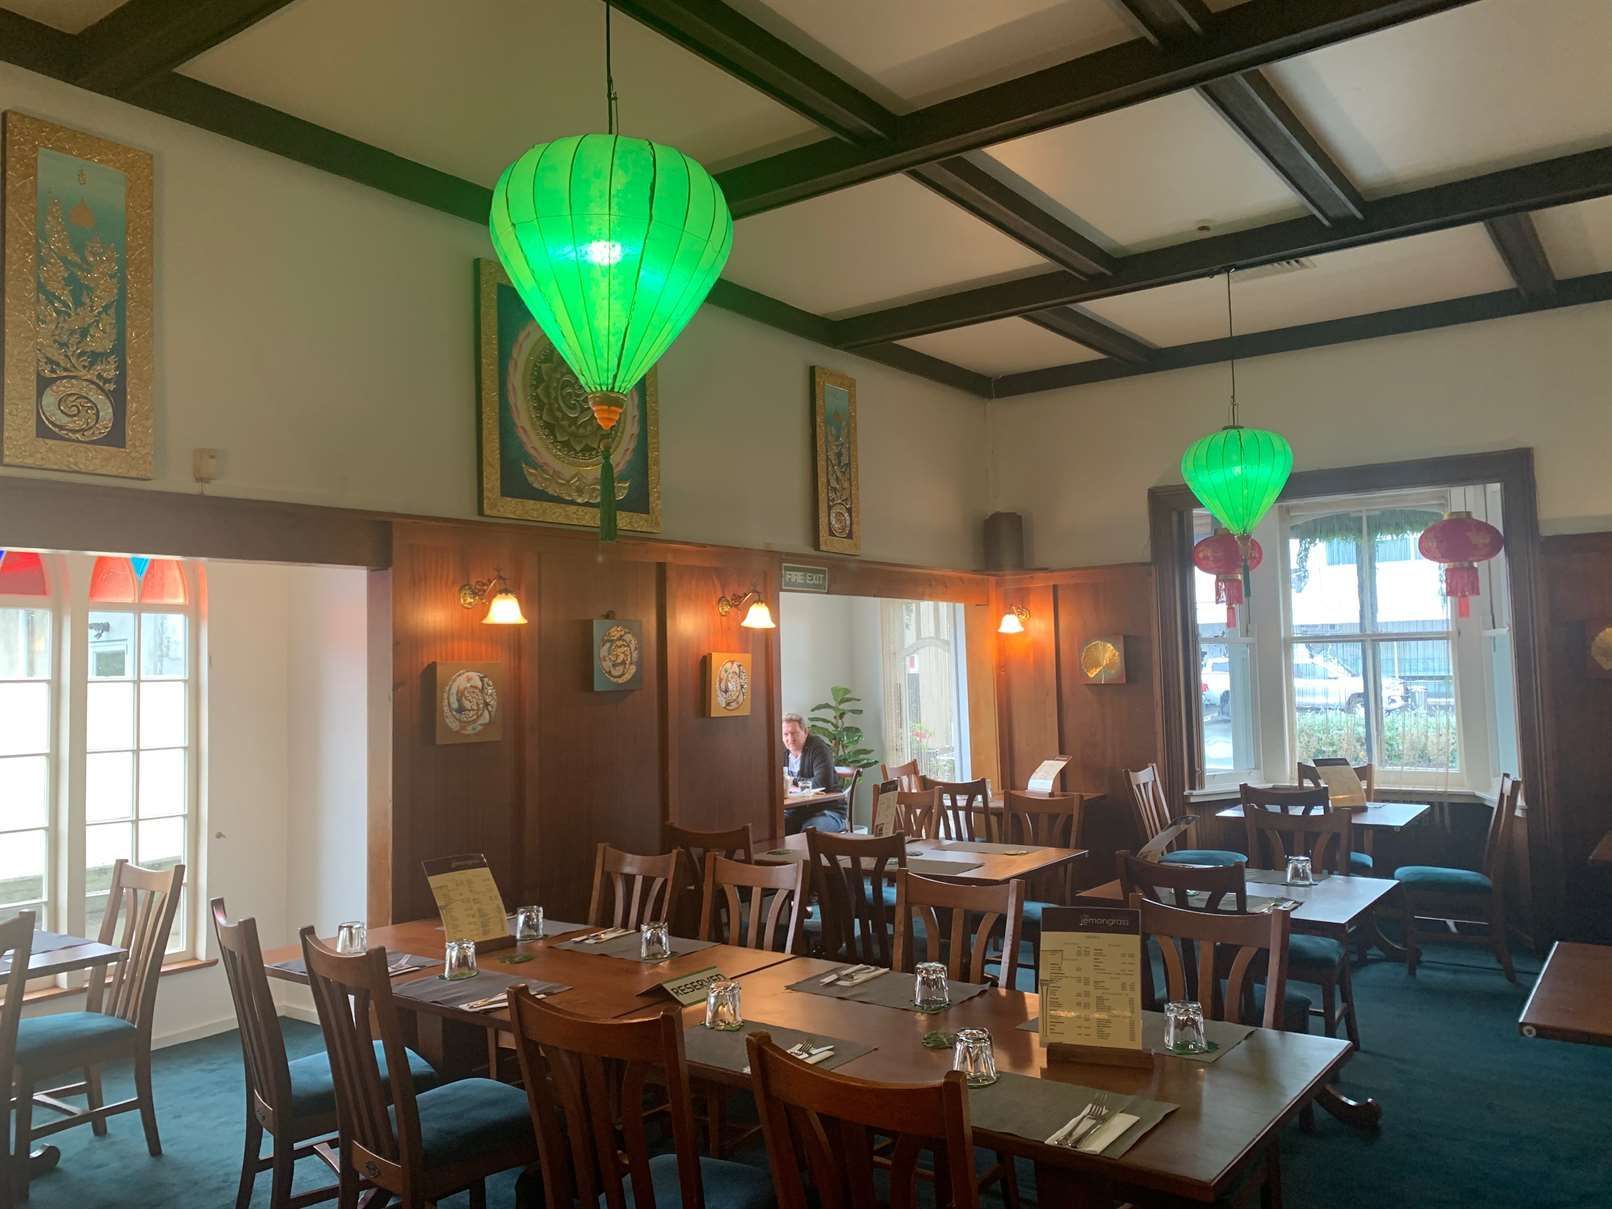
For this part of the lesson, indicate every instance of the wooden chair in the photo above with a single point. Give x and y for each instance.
(965, 810)
(294, 1101)
(971, 915)
(821, 1130)
(585, 1082)
(853, 877)
(1044, 821)
(735, 843)
(1464, 895)
(116, 1023)
(1229, 953)
(1360, 859)
(918, 813)
(642, 888)
(774, 900)
(907, 774)
(16, 944)
(1173, 885)
(420, 1147)
(850, 781)
(1153, 817)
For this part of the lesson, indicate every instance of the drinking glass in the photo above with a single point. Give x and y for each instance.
(930, 990)
(529, 923)
(974, 1058)
(655, 940)
(1298, 871)
(1183, 1028)
(722, 1006)
(351, 937)
(460, 960)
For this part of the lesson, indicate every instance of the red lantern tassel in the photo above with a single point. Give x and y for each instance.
(1461, 582)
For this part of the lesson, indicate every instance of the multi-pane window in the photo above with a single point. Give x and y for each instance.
(1225, 685)
(27, 748)
(925, 687)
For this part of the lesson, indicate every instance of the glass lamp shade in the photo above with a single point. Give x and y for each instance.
(1010, 624)
(504, 609)
(759, 617)
(1237, 473)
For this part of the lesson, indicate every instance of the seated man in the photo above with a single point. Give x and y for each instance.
(810, 761)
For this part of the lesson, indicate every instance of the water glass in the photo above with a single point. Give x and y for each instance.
(1183, 1028)
(529, 923)
(352, 937)
(460, 960)
(930, 990)
(1298, 871)
(655, 940)
(974, 1058)
(722, 1006)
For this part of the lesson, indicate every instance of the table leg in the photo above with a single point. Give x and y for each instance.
(1057, 1185)
(1365, 1113)
(42, 1160)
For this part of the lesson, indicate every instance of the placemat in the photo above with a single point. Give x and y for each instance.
(1223, 1035)
(1038, 1108)
(1276, 877)
(709, 1047)
(919, 865)
(394, 961)
(984, 846)
(442, 993)
(1258, 904)
(890, 990)
(627, 947)
(49, 942)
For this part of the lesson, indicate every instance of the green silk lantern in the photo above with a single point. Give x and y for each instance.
(613, 243)
(1237, 473)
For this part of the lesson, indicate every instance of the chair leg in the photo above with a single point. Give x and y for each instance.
(285, 1165)
(249, 1156)
(1329, 1008)
(713, 1122)
(25, 1126)
(1413, 947)
(478, 1195)
(1010, 1180)
(1498, 941)
(92, 1096)
(347, 1181)
(148, 1106)
(1346, 996)
(1270, 1194)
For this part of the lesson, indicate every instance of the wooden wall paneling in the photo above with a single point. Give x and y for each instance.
(853, 577)
(979, 645)
(378, 808)
(593, 760)
(1027, 687)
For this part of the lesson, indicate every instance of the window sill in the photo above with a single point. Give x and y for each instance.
(179, 965)
(1385, 793)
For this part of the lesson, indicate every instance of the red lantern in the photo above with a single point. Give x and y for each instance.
(1222, 556)
(1460, 541)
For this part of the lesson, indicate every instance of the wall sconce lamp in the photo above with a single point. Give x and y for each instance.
(503, 608)
(758, 618)
(1013, 620)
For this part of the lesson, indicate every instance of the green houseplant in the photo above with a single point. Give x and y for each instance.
(831, 722)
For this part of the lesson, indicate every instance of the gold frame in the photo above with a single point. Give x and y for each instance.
(489, 276)
(825, 538)
(24, 136)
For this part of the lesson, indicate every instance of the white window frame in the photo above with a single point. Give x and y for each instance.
(47, 911)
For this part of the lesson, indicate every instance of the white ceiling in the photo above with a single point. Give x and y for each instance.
(70, 16)
(1577, 238)
(1003, 346)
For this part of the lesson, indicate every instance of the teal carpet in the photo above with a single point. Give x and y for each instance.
(1474, 1114)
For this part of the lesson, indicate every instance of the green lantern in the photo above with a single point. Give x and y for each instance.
(1237, 473)
(613, 243)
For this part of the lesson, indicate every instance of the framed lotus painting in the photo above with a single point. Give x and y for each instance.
(77, 301)
(839, 499)
(727, 684)
(539, 442)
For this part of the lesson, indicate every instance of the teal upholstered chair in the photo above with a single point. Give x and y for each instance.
(585, 1081)
(1464, 895)
(1053, 820)
(419, 1146)
(16, 943)
(1361, 863)
(1157, 828)
(295, 1101)
(115, 1025)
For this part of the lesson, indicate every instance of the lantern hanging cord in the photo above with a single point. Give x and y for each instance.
(1231, 335)
(610, 78)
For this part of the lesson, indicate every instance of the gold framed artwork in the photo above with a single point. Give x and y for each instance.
(618, 655)
(1598, 646)
(538, 439)
(466, 702)
(727, 684)
(839, 499)
(1102, 659)
(78, 301)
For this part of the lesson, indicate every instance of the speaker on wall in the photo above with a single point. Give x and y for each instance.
(1004, 542)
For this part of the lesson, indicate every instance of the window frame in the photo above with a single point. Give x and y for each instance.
(47, 908)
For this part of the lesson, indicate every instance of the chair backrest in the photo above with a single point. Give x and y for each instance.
(849, 874)
(1365, 773)
(965, 810)
(585, 1085)
(16, 945)
(1147, 799)
(268, 1077)
(353, 996)
(1237, 948)
(850, 779)
(1056, 820)
(918, 813)
(821, 1129)
(958, 922)
(642, 888)
(730, 915)
(693, 845)
(139, 917)
(1296, 822)
(1497, 842)
(907, 774)
(1172, 884)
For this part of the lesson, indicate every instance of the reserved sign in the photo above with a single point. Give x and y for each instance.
(691, 988)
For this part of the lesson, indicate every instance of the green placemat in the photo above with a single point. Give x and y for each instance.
(928, 868)
(627, 947)
(442, 993)
(1224, 1036)
(983, 846)
(1038, 1108)
(1277, 877)
(708, 1047)
(889, 989)
(1258, 904)
(396, 963)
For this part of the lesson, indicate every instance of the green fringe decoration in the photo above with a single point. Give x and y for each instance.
(607, 497)
(1345, 526)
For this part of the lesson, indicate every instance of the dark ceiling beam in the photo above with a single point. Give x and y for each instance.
(142, 40)
(1094, 333)
(1575, 291)
(35, 46)
(1247, 36)
(1257, 112)
(1517, 241)
(1568, 178)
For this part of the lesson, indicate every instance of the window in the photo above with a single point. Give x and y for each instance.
(1225, 680)
(925, 687)
(27, 756)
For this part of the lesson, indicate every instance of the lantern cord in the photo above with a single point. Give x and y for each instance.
(1230, 335)
(610, 77)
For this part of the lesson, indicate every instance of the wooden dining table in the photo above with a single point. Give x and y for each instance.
(981, 864)
(1375, 819)
(1572, 1000)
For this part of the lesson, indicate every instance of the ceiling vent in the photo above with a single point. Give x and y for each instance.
(1277, 268)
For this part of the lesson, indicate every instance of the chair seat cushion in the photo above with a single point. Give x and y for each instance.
(1438, 879)
(1312, 954)
(1361, 864)
(1295, 1008)
(470, 1117)
(1203, 856)
(313, 1087)
(1031, 915)
(730, 1185)
(46, 1044)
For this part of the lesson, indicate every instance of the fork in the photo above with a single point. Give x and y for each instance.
(1100, 1112)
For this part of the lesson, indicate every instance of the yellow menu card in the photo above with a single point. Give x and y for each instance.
(467, 898)
(1091, 984)
(1344, 789)
(884, 807)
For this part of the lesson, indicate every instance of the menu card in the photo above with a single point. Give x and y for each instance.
(1091, 988)
(467, 898)
(1046, 773)
(1344, 789)
(884, 807)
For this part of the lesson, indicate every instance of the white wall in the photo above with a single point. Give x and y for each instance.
(320, 334)
(1078, 462)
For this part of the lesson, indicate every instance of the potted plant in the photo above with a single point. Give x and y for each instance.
(831, 722)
